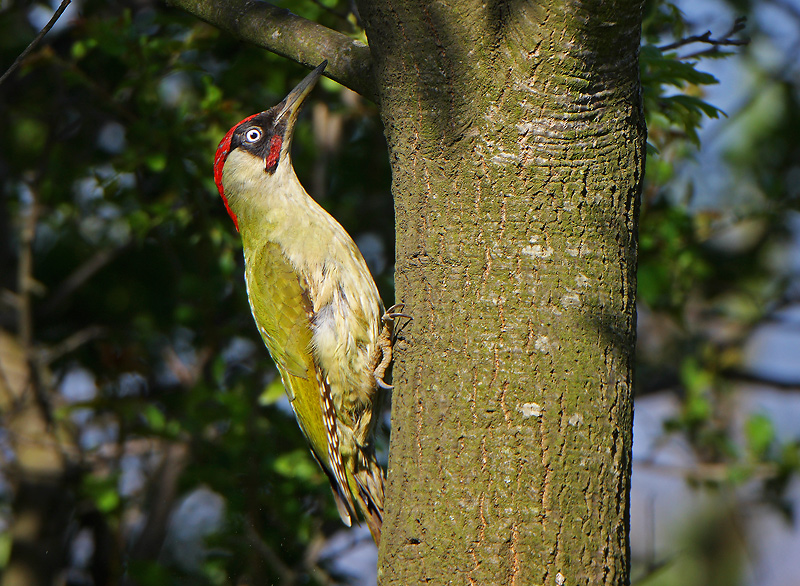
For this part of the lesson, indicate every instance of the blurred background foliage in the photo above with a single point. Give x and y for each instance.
(143, 426)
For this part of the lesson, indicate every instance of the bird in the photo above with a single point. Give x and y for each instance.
(314, 303)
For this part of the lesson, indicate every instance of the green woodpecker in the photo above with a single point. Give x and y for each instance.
(314, 303)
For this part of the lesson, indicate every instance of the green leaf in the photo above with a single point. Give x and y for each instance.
(296, 464)
(739, 473)
(79, 50)
(693, 104)
(273, 393)
(698, 384)
(150, 573)
(213, 95)
(668, 69)
(154, 417)
(760, 433)
(157, 162)
(103, 492)
(5, 548)
(140, 222)
(227, 263)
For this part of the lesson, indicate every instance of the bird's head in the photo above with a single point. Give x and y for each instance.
(255, 147)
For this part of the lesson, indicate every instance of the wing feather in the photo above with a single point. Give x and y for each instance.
(286, 326)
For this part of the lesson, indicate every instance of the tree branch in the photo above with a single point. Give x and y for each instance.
(726, 40)
(744, 376)
(78, 278)
(70, 344)
(280, 31)
(253, 539)
(18, 61)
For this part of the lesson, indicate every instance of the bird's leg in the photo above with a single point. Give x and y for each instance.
(385, 347)
(386, 341)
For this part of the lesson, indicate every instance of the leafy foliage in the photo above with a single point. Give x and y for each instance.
(706, 278)
(112, 128)
(681, 111)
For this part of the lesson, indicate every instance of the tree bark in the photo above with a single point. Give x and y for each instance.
(516, 139)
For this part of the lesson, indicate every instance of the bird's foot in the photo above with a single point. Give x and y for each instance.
(386, 341)
(393, 312)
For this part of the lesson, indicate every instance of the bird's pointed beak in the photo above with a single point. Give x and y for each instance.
(290, 107)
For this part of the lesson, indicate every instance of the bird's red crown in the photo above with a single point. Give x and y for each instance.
(219, 163)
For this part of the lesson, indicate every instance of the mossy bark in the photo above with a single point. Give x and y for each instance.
(517, 143)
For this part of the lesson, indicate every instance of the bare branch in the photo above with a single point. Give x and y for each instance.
(70, 344)
(187, 374)
(707, 471)
(253, 539)
(163, 492)
(79, 277)
(726, 40)
(754, 378)
(18, 61)
(709, 52)
(280, 31)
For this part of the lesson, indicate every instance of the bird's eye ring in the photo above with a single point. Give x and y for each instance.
(252, 135)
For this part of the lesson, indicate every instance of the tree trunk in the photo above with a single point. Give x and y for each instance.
(516, 139)
(41, 474)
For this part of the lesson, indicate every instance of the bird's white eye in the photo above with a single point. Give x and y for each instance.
(252, 135)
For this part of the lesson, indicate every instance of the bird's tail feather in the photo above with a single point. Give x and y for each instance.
(341, 496)
(368, 493)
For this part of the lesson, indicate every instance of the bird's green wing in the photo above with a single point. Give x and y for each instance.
(283, 311)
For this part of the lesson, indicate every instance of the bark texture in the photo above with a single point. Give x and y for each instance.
(517, 144)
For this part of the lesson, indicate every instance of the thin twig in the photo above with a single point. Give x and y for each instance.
(253, 539)
(706, 472)
(37, 40)
(776, 75)
(744, 376)
(726, 40)
(162, 493)
(79, 277)
(70, 344)
(715, 50)
(107, 99)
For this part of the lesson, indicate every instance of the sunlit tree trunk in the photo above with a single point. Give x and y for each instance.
(517, 145)
(40, 472)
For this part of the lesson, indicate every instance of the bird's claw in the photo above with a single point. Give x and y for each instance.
(395, 311)
(381, 383)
